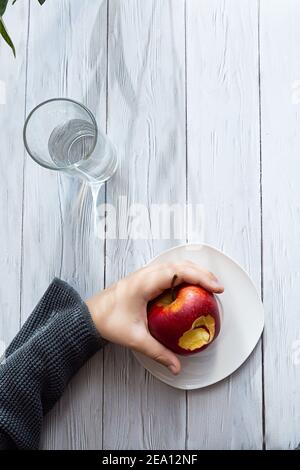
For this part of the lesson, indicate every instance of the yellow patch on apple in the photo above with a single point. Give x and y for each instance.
(201, 333)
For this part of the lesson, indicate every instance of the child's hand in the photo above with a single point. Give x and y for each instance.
(120, 312)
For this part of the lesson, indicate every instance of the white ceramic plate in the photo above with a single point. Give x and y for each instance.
(242, 322)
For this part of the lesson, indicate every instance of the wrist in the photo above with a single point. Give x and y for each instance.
(100, 306)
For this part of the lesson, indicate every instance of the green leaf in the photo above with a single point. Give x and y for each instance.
(5, 35)
(3, 5)
(3, 30)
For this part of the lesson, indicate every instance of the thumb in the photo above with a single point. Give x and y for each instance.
(152, 348)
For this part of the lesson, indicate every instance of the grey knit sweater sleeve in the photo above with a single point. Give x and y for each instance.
(57, 339)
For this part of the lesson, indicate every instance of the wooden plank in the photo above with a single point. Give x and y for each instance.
(280, 72)
(147, 122)
(223, 175)
(67, 57)
(12, 109)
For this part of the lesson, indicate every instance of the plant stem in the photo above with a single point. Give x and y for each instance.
(173, 287)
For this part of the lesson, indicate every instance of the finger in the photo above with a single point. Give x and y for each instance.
(160, 277)
(155, 350)
(194, 274)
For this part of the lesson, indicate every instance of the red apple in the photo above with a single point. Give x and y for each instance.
(185, 319)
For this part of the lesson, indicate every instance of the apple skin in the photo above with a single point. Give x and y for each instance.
(174, 321)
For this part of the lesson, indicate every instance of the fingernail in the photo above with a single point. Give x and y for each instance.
(217, 284)
(173, 369)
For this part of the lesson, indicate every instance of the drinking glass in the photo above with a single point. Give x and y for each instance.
(61, 134)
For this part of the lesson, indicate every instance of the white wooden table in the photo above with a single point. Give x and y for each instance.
(202, 99)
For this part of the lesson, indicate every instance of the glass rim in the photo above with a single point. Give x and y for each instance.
(43, 163)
